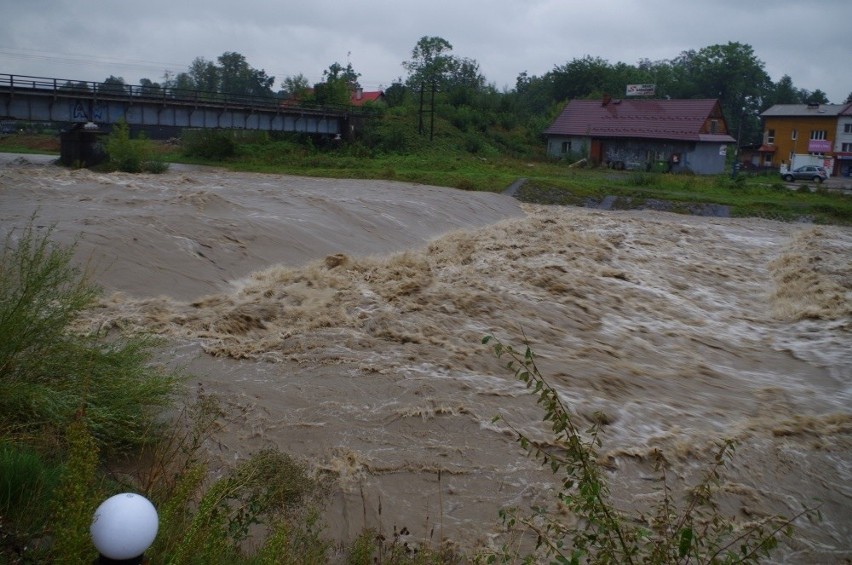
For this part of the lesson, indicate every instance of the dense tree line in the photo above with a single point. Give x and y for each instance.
(454, 87)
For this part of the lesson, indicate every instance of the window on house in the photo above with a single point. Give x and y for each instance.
(818, 134)
(846, 147)
(847, 128)
(566, 147)
(795, 134)
(770, 136)
(714, 126)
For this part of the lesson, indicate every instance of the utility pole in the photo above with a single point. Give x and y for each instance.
(420, 113)
(432, 117)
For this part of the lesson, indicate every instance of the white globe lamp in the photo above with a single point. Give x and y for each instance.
(123, 527)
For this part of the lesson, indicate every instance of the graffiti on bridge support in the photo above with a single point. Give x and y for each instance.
(85, 110)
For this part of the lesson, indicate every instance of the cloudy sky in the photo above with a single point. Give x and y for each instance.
(810, 40)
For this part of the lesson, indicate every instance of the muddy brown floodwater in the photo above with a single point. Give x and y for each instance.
(345, 317)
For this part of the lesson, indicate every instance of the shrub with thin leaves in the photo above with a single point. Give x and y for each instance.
(132, 155)
(213, 144)
(269, 489)
(79, 492)
(48, 373)
(692, 532)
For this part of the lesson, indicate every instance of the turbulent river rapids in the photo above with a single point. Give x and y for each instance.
(343, 320)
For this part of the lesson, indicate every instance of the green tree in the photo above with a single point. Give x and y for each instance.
(815, 97)
(658, 73)
(203, 75)
(339, 82)
(236, 76)
(337, 72)
(464, 81)
(430, 62)
(783, 92)
(733, 74)
(79, 86)
(296, 86)
(113, 85)
(397, 93)
(622, 74)
(232, 75)
(534, 94)
(150, 88)
(580, 78)
(178, 84)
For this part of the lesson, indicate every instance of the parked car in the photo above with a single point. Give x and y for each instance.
(808, 172)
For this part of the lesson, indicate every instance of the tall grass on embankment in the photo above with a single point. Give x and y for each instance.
(492, 160)
(390, 148)
(65, 398)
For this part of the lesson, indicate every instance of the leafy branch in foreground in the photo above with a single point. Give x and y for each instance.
(597, 532)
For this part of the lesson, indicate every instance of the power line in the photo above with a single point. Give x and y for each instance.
(117, 64)
(82, 58)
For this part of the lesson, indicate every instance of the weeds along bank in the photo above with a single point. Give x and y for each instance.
(668, 331)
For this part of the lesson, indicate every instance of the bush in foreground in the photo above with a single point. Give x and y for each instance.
(693, 532)
(64, 398)
(48, 373)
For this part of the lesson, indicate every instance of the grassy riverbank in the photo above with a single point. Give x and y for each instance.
(473, 163)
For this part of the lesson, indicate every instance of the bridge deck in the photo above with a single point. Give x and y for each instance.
(59, 100)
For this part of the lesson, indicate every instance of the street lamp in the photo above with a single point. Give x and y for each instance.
(123, 527)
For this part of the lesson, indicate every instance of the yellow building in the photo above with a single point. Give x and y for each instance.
(802, 134)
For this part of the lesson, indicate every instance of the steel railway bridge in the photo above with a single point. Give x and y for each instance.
(41, 99)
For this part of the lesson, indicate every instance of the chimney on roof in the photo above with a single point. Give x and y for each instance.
(606, 100)
(359, 93)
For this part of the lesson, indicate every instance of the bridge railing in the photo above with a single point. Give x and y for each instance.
(67, 88)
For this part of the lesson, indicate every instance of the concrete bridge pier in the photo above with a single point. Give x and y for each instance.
(82, 146)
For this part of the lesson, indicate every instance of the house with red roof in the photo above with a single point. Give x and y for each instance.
(359, 97)
(673, 135)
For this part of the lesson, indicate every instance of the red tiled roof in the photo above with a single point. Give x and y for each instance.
(649, 119)
(372, 96)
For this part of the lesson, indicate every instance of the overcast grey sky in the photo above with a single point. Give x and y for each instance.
(810, 40)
